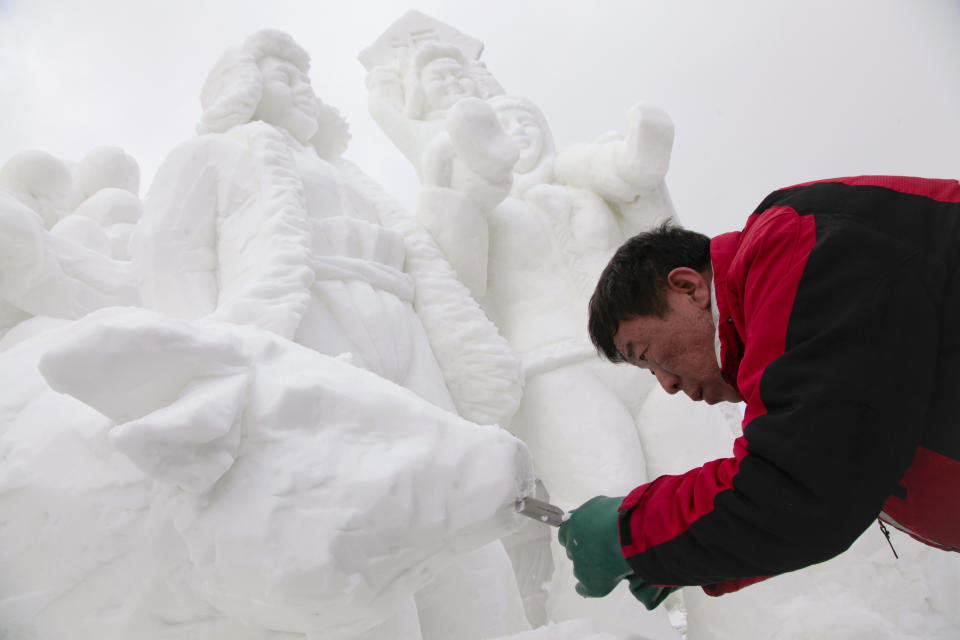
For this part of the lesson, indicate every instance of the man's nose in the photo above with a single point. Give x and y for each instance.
(669, 382)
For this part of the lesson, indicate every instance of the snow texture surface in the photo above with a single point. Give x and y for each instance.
(267, 402)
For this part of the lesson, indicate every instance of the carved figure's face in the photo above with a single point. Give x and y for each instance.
(444, 82)
(523, 128)
(288, 100)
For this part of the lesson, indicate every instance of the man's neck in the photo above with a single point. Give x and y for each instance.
(715, 314)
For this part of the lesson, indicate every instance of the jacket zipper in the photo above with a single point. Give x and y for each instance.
(886, 533)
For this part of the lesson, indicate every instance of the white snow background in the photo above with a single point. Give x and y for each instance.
(763, 94)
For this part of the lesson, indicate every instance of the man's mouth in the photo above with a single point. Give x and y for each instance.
(712, 399)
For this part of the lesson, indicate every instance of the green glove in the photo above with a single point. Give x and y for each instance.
(649, 595)
(591, 536)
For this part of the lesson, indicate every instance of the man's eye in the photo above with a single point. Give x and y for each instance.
(643, 356)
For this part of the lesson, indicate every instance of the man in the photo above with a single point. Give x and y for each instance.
(833, 316)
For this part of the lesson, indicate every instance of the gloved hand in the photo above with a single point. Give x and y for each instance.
(591, 536)
(649, 595)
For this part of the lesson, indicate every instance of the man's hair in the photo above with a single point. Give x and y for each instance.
(634, 282)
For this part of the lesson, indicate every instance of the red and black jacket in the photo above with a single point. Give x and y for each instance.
(840, 327)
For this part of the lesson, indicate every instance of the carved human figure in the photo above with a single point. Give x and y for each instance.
(547, 242)
(258, 221)
(532, 257)
(547, 239)
(555, 221)
(409, 99)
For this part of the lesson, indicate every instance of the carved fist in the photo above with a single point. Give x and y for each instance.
(646, 154)
(475, 156)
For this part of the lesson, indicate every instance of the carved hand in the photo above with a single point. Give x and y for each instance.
(646, 153)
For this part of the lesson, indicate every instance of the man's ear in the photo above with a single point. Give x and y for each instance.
(690, 282)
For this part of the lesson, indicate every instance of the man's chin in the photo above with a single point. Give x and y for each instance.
(716, 397)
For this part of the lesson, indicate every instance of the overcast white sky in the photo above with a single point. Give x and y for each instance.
(763, 93)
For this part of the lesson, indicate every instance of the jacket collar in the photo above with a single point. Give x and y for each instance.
(730, 350)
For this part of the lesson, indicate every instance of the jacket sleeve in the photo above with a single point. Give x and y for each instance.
(840, 325)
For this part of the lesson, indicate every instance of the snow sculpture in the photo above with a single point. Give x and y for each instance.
(270, 227)
(108, 182)
(106, 167)
(50, 268)
(531, 253)
(564, 212)
(230, 484)
(258, 221)
(578, 629)
(41, 182)
(418, 69)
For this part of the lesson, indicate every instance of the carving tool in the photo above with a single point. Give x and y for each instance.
(541, 511)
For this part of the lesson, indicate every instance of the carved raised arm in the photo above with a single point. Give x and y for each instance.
(467, 171)
(620, 168)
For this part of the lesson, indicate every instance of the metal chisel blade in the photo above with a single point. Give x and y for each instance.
(541, 511)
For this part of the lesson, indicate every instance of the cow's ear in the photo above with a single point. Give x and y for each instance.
(175, 390)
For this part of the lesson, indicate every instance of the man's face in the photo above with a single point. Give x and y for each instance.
(678, 348)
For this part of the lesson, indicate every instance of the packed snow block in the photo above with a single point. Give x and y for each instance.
(576, 629)
(219, 481)
(44, 273)
(40, 181)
